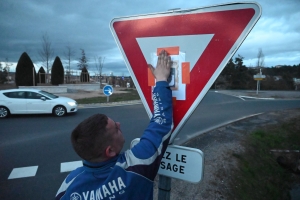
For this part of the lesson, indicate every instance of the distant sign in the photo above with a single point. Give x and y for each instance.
(108, 90)
(296, 81)
(259, 77)
(180, 162)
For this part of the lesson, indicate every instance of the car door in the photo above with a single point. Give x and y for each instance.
(16, 102)
(36, 105)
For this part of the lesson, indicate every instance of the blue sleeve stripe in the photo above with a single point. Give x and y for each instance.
(144, 158)
(132, 160)
(64, 186)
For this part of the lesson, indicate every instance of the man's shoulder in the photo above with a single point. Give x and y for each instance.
(74, 173)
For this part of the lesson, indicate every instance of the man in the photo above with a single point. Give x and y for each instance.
(98, 140)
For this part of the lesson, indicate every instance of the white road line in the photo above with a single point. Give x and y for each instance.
(70, 166)
(256, 98)
(23, 172)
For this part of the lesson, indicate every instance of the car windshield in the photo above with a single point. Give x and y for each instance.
(52, 96)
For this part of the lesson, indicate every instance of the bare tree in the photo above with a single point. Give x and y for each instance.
(3, 74)
(82, 63)
(7, 65)
(7, 68)
(260, 59)
(69, 54)
(260, 64)
(46, 53)
(99, 61)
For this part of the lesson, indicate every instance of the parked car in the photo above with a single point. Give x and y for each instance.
(33, 101)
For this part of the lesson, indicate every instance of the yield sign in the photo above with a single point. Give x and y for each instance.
(201, 42)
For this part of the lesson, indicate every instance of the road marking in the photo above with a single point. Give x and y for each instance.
(70, 166)
(23, 172)
(112, 104)
(249, 97)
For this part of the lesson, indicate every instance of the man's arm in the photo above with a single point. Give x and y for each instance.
(144, 158)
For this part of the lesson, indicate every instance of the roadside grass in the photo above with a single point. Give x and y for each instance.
(130, 95)
(258, 175)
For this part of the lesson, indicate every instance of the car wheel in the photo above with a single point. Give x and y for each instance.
(59, 111)
(4, 112)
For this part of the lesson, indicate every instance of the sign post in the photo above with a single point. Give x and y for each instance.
(178, 162)
(107, 91)
(164, 187)
(258, 78)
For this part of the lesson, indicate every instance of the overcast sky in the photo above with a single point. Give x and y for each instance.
(85, 24)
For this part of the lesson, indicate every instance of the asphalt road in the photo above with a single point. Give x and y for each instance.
(43, 141)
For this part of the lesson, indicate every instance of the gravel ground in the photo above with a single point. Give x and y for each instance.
(218, 146)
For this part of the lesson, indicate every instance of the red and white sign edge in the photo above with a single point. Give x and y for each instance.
(214, 8)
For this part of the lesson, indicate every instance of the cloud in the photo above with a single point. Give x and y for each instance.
(85, 24)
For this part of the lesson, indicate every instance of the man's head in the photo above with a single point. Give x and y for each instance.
(97, 138)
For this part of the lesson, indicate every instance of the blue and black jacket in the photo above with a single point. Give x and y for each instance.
(131, 174)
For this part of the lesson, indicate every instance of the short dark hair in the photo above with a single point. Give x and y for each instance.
(90, 137)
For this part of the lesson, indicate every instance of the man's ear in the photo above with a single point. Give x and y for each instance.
(109, 152)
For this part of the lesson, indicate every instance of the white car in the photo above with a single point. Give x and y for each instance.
(33, 101)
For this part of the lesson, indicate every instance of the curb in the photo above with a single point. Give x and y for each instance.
(111, 104)
(197, 134)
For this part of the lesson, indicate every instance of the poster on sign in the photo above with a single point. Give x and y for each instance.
(175, 79)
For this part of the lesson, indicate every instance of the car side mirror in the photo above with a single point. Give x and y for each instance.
(43, 98)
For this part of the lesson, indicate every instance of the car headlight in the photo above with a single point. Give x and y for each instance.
(72, 103)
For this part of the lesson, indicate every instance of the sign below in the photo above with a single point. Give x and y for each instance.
(108, 90)
(180, 162)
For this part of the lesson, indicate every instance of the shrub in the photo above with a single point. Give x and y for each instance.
(84, 76)
(57, 72)
(25, 71)
(41, 76)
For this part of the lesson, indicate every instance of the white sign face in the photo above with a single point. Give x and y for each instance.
(180, 162)
(259, 77)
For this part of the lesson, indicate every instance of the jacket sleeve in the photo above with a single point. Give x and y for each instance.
(144, 158)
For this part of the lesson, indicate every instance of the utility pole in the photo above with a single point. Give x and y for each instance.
(33, 77)
(164, 187)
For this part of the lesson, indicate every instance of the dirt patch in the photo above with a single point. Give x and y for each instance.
(218, 147)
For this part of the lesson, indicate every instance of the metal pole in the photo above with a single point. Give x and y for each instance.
(33, 76)
(257, 87)
(164, 188)
(107, 99)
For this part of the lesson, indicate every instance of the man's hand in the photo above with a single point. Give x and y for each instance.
(162, 70)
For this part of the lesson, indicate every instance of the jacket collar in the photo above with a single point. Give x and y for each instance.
(95, 166)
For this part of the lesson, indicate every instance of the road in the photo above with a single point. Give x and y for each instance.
(42, 142)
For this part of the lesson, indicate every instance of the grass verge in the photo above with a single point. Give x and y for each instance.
(130, 95)
(258, 175)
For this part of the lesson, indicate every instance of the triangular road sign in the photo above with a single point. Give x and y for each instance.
(202, 40)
